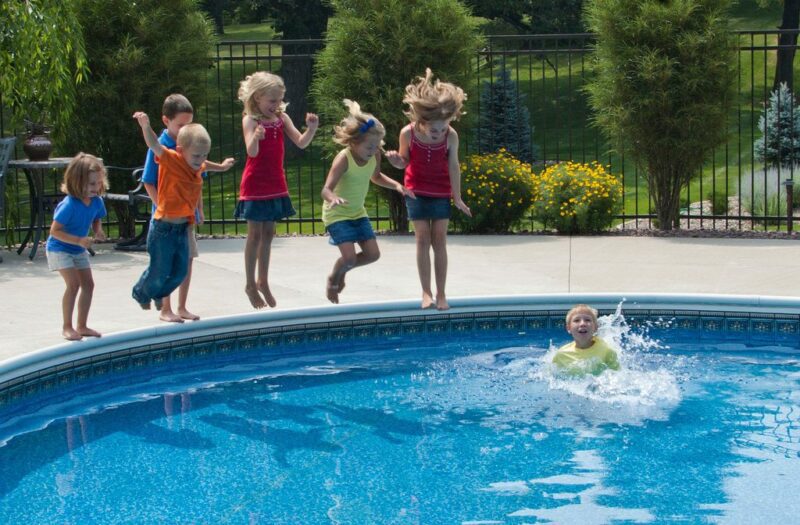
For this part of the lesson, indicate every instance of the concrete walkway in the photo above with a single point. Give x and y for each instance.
(30, 295)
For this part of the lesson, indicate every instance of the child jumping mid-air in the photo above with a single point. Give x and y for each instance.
(177, 112)
(264, 194)
(82, 208)
(345, 190)
(587, 353)
(428, 151)
(180, 184)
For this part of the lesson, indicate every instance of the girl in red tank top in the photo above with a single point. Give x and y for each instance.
(428, 151)
(263, 193)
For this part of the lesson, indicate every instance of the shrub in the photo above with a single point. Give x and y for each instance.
(719, 202)
(663, 85)
(779, 142)
(504, 120)
(577, 198)
(498, 188)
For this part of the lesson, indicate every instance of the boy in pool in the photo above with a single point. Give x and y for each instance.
(587, 352)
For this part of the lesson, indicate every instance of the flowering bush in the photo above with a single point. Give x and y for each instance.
(577, 198)
(498, 188)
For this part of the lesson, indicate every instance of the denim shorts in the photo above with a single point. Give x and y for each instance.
(269, 210)
(428, 208)
(65, 260)
(354, 230)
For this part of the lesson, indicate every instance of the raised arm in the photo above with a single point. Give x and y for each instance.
(253, 132)
(455, 172)
(338, 167)
(150, 137)
(399, 158)
(225, 165)
(385, 181)
(301, 140)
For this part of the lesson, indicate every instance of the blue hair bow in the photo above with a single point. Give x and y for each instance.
(363, 128)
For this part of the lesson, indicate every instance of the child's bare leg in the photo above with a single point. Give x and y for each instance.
(73, 284)
(342, 265)
(250, 256)
(369, 254)
(85, 302)
(439, 243)
(262, 263)
(183, 295)
(166, 313)
(422, 233)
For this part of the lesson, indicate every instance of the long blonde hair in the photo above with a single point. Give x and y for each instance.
(430, 100)
(357, 126)
(76, 176)
(260, 82)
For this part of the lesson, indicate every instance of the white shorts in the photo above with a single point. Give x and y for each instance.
(63, 261)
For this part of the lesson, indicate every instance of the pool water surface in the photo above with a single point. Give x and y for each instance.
(404, 432)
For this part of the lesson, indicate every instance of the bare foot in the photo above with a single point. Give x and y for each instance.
(255, 298)
(441, 303)
(264, 289)
(186, 314)
(332, 290)
(169, 317)
(427, 301)
(70, 334)
(88, 332)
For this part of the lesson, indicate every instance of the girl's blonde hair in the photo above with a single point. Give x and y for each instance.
(259, 83)
(430, 100)
(76, 176)
(357, 126)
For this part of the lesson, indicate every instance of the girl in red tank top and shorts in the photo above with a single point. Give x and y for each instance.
(428, 152)
(263, 193)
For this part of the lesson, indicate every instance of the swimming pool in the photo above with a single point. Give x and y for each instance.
(380, 414)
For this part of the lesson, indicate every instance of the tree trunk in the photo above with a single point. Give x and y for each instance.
(665, 186)
(784, 71)
(297, 67)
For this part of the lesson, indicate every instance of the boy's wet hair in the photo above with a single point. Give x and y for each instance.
(258, 83)
(76, 176)
(175, 104)
(357, 126)
(430, 100)
(193, 134)
(582, 308)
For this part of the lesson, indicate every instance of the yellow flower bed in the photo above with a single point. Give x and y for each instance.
(577, 198)
(498, 189)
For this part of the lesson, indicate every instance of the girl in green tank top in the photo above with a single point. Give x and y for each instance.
(345, 190)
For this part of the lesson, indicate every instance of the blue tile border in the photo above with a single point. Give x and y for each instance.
(779, 323)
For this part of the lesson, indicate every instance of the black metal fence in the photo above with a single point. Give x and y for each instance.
(735, 190)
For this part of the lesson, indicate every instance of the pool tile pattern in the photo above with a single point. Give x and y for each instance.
(290, 338)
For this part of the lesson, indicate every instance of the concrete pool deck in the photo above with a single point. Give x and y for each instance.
(30, 295)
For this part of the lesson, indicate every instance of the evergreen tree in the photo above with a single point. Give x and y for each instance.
(663, 86)
(779, 143)
(505, 120)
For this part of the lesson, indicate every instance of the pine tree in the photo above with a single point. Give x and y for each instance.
(505, 120)
(779, 143)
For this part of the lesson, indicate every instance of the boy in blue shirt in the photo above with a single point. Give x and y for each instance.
(177, 112)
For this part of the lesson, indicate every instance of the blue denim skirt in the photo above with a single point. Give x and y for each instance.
(428, 208)
(269, 210)
(354, 230)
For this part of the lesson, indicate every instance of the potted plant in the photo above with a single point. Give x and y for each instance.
(41, 67)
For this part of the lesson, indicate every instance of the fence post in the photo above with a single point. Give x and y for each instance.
(789, 183)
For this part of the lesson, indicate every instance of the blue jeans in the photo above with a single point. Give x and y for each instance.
(168, 248)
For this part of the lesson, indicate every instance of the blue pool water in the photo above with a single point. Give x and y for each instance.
(470, 432)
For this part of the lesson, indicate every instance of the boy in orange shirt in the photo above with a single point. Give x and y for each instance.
(179, 191)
